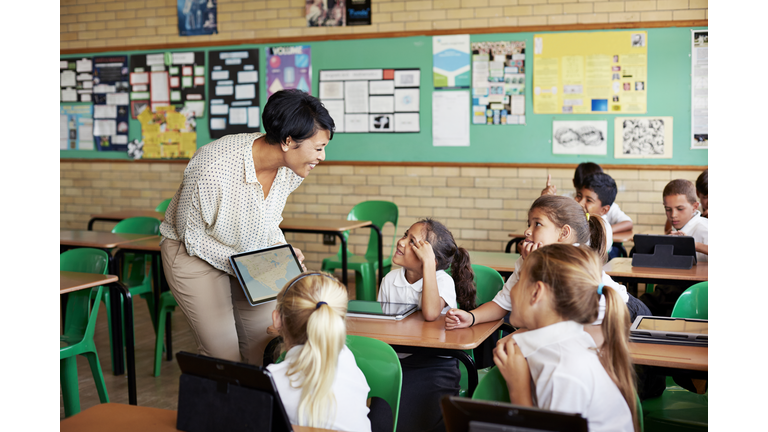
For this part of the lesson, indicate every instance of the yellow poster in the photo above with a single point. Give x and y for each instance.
(167, 133)
(585, 73)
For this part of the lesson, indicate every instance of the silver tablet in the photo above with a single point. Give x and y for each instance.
(380, 310)
(658, 329)
(263, 273)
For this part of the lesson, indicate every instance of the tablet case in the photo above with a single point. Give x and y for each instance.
(465, 415)
(666, 337)
(663, 251)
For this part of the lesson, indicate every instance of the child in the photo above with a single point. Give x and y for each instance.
(424, 253)
(596, 195)
(702, 192)
(558, 293)
(319, 382)
(551, 219)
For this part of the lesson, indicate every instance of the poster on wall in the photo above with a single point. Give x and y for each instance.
(372, 100)
(76, 80)
(325, 13)
(196, 17)
(110, 103)
(289, 67)
(587, 73)
(700, 89)
(450, 61)
(642, 137)
(76, 131)
(358, 12)
(233, 92)
(580, 137)
(168, 134)
(498, 82)
(168, 78)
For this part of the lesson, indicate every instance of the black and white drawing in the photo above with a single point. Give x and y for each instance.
(580, 137)
(643, 137)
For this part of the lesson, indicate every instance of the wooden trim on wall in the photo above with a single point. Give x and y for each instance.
(432, 164)
(384, 35)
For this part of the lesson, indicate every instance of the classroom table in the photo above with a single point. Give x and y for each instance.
(622, 270)
(117, 216)
(117, 417)
(414, 335)
(76, 281)
(502, 262)
(670, 359)
(337, 228)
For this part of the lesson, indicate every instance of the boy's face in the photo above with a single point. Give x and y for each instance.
(588, 199)
(679, 210)
(704, 201)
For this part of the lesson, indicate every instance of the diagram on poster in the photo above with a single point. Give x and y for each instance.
(642, 137)
(168, 78)
(168, 134)
(498, 82)
(700, 89)
(372, 100)
(580, 137)
(289, 67)
(233, 92)
(583, 73)
(110, 103)
(450, 61)
(76, 80)
(76, 131)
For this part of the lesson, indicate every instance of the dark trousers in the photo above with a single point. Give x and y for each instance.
(426, 379)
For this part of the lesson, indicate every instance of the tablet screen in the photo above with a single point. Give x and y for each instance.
(378, 308)
(266, 271)
(677, 326)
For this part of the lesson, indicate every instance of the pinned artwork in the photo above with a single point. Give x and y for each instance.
(580, 137)
(643, 137)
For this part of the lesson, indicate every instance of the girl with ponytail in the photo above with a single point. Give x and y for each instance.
(558, 294)
(424, 252)
(319, 382)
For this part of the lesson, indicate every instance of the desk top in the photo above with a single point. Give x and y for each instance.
(125, 214)
(97, 239)
(117, 417)
(671, 356)
(330, 225)
(414, 331)
(151, 244)
(74, 281)
(499, 261)
(622, 267)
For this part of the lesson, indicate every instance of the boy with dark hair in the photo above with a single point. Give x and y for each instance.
(596, 195)
(702, 191)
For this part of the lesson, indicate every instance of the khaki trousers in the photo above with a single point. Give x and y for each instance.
(223, 323)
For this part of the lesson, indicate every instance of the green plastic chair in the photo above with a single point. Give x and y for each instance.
(378, 212)
(381, 367)
(167, 304)
(79, 327)
(677, 409)
(163, 205)
(136, 273)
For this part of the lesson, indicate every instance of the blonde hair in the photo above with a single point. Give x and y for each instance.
(573, 274)
(313, 309)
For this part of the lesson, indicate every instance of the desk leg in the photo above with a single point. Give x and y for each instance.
(381, 255)
(343, 258)
(115, 263)
(457, 354)
(118, 291)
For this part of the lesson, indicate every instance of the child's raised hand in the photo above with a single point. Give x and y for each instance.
(527, 247)
(550, 189)
(456, 319)
(514, 368)
(424, 252)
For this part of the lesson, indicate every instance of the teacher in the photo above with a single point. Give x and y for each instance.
(230, 201)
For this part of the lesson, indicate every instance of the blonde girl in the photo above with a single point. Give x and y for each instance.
(319, 382)
(558, 294)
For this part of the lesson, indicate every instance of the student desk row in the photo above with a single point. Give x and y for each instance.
(618, 240)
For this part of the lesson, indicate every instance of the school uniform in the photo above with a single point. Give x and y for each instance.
(615, 215)
(568, 376)
(426, 378)
(349, 388)
(698, 228)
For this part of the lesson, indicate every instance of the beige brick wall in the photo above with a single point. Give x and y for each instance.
(480, 206)
(113, 23)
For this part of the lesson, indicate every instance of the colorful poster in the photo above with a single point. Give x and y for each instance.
(580, 137)
(76, 80)
(642, 137)
(289, 67)
(111, 102)
(197, 17)
(498, 82)
(168, 78)
(450, 61)
(168, 134)
(325, 13)
(588, 73)
(76, 125)
(358, 12)
(700, 89)
(235, 111)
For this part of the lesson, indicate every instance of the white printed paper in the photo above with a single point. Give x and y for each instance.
(381, 104)
(104, 127)
(244, 77)
(220, 75)
(356, 123)
(356, 99)
(218, 123)
(68, 78)
(336, 111)
(406, 100)
(117, 99)
(253, 117)
(450, 118)
(245, 91)
(104, 111)
(407, 78)
(406, 122)
(381, 87)
(238, 116)
(220, 109)
(331, 89)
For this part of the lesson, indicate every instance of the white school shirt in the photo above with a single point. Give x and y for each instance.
(219, 209)
(698, 228)
(608, 233)
(502, 297)
(568, 376)
(395, 288)
(615, 215)
(349, 388)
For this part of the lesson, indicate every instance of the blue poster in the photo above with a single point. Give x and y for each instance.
(197, 17)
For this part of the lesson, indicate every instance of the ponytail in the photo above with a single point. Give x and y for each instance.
(598, 236)
(313, 308)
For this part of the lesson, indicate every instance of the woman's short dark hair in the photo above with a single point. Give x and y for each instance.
(293, 113)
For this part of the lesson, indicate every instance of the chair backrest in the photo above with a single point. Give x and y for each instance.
(381, 367)
(488, 282)
(163, 205)
(692, 302)
(378, 212)
(138, 225)
(79, 309)
(492, 387)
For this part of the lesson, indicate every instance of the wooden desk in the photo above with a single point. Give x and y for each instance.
(670, 356)
(621, 270)
(116, 417)
(415, 335)
(623, 236)
(75, 281)
(499, 261)
(98, 240)
(337, 228)
(123, 214)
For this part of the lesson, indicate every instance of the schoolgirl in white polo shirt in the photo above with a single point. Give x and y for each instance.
(555, 364)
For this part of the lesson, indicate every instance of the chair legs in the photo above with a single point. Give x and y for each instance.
(98, 376)
(167, 304)
(69, 385)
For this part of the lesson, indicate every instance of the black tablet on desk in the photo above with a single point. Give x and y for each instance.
(380, 310)
(469, 415)
(663, 251)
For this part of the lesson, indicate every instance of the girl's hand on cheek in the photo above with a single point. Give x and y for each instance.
(529, 247)
(424, 252)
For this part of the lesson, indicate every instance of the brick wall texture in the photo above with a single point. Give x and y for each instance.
(113, 23)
